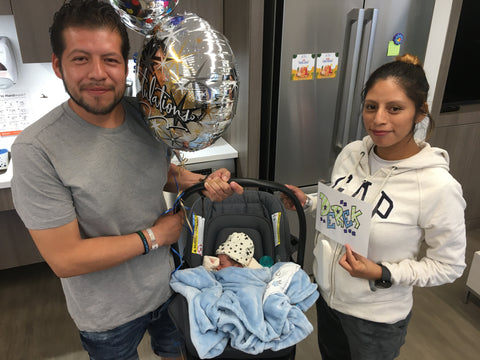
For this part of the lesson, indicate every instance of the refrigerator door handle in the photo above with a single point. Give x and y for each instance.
(354, 16)
(370, 15)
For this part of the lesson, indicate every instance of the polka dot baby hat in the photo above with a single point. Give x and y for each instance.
(239, 247)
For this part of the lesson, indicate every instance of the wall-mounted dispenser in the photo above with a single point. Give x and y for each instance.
(8, 67)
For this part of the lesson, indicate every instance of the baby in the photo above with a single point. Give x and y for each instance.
(236, 251)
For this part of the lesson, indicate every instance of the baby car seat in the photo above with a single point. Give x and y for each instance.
(258, 213)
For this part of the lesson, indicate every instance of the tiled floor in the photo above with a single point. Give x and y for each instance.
(35, 325)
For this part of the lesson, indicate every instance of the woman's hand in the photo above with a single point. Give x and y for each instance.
(288, 203)
(359, 266)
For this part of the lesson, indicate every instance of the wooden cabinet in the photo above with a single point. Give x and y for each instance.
(5, 8)
(33, 19)
(458, 133)
(473, 280)
(16, 246)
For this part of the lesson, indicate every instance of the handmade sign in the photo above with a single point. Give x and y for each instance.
(343, 219)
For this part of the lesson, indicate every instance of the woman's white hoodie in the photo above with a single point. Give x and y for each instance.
(416, 202)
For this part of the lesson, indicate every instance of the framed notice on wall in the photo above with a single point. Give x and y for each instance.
(13, 112)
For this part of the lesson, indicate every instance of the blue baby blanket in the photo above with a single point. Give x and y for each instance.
(254, 309)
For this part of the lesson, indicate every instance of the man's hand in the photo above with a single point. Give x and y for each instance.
(359, 266)
(217, 187)
(168, 227)
(216, 184)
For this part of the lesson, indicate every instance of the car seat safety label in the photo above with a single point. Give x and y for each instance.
(276, 227)
(197, 240)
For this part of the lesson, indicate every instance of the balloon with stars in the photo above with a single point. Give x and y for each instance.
(143, 15)
(187, 82)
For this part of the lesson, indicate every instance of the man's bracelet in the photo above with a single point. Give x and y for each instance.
(145, 242)
(152, 239)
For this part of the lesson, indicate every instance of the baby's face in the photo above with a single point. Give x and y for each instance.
(226, 261)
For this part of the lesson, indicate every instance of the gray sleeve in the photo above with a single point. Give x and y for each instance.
(39, 196)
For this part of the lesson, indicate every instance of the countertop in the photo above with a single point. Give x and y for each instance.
(220, 150)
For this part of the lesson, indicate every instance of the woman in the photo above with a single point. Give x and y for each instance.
(366, 303)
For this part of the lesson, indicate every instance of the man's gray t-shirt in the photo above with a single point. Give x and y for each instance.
(111, 181)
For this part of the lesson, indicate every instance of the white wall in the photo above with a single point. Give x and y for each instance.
(43, 90)
(436, 43)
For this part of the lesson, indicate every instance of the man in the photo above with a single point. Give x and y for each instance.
(88, 183)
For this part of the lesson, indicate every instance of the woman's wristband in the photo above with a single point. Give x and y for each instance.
(152, 239)
(308, 203)
(386, 280)
(145, 242)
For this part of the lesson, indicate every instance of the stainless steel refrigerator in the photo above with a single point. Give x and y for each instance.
(317, 56)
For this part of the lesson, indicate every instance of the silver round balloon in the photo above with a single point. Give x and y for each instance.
(143, 15)
(187, 82)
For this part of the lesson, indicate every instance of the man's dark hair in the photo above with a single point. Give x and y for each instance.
(91, 14)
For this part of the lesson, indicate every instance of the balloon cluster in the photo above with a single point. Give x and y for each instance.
(187, 81)
(143, 15)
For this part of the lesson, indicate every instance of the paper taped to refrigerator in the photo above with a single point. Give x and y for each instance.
(327, 65)
(303, 67)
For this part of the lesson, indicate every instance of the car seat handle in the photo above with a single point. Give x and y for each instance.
(266, 185)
